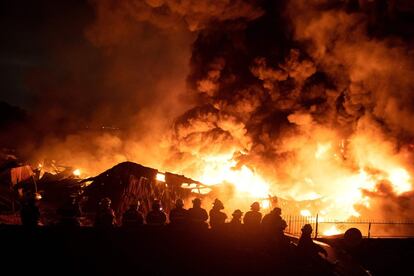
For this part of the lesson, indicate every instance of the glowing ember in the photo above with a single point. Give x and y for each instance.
(160, 177)
(77, 172)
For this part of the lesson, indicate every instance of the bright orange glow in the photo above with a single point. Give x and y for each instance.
(77, 172)
(400, 179)
(321, 173)
(244, 179)
(248, 185)
(265, 204)
(332, 231)
(160, 177)
(38, 196)
(188, 185)
(203, 191)
(333, 171)
(305, 213)
(322, 149)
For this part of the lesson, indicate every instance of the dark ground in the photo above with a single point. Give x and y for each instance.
(147, 250)
(160, 251)
(381, 256)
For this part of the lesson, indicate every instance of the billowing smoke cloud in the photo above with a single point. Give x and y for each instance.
(314, 96)
(305, 78)
(377, 69)
(115, 81)
(371, 66)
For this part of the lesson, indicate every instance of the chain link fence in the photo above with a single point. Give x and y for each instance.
(323, 227)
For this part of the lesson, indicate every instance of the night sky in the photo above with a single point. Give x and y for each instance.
(31, 33)
(63, 64)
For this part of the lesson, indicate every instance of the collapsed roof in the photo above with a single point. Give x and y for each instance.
(129, 182)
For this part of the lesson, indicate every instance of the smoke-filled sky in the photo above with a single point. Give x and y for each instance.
(190, 86)
(65, 58)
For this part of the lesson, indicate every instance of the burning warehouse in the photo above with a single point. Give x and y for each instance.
(128, 183)
(125, 184)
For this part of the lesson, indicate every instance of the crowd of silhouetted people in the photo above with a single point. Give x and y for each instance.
(253, 220)
(270, 227)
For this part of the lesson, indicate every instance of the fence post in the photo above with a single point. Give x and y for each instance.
(290, 224)
(369, 230)
(316, 226)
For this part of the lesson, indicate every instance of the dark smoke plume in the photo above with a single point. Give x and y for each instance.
(304, 70)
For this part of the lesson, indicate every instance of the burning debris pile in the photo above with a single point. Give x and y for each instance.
(129, 182)
(53, 184)
(125, 184)
(305, 100)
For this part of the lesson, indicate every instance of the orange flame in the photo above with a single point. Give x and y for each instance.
(160, 177)
(76, 172)
(332, 231)
(329, 177)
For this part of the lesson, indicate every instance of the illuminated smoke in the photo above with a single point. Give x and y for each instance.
(306, 97)
(300, 99)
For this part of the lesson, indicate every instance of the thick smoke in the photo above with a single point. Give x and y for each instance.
(110, 89)
(303, 76)
(272, 85)
(366, 51)
(114, 79)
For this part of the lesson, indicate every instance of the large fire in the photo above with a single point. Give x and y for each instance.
(280, 102)
(219, 170)
(336, 174)
(248, 184)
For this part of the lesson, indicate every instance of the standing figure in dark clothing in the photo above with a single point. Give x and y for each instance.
(236, 220)
(29, 213)
(272, 223)
(196, 214)
(132, 217)
(306, 247)
(281, 239)
(179, 215)
(217, 217)
(156, 216)
(253, 217)
(69, 214)
(235, 224)
(308, 254)
(105, 216)
(235, 230)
